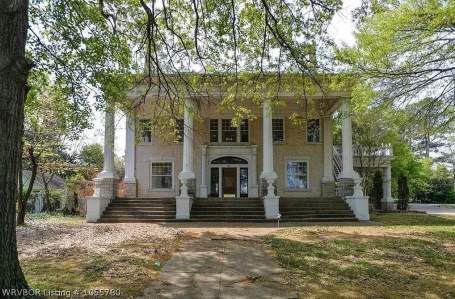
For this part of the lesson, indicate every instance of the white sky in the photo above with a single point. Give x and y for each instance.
(341, 29)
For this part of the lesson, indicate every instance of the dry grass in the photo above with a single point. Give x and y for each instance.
(410, 256)
(70, 255)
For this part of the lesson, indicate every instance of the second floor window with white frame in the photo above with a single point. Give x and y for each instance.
(278, 130)
(214, 130)
(244, 134)
(180, 127)
(146, 131)
(313, 130)
(228, 131)
(161, 175)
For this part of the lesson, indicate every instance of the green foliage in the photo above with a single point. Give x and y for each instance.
(404, 49)
(92, 155)
(403, 193)
(377, 191)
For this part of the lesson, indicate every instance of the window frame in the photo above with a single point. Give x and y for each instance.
(151, 188)
(220, 132)
(286, 182)
(320, 131)
(284, 130)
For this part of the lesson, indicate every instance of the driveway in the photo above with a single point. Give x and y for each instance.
(434, 209)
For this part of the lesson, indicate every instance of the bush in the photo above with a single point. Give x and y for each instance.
(403, 193)
(377, 191)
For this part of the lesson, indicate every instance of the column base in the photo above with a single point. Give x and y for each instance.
(105, 192)
(328, 188)
(271, 207)
(346, 187)
(130, 188)
(183, 207)
(359, 205)
(387, 204)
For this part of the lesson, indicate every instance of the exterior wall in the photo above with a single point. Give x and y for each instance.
(294, 147)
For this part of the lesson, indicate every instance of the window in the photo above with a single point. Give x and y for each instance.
(146, 130)
(180, 127)
(313, 130)
(161, 177)
(297, 175)
(244, 130)
(278, 129)
(214, 130)
(228, 132)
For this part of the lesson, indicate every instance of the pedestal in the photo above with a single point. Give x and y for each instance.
(130, 188)
(105, 192)
(346, 187)
(359, 205)
(183, 207)
(328, 189)
(271, 206)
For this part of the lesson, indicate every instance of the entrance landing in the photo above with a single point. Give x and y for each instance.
(221, 267)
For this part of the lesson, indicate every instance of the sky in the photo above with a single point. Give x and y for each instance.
(341, 29)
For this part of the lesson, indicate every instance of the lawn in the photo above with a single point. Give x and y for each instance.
(64, 253)
(406, 256)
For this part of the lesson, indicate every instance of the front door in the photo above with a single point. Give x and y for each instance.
(229, 182)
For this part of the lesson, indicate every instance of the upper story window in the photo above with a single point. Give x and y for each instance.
(228, 131)
(180, 127)
(223, 130)
(214, 130)
(278, 129)
(244, 134)
(313, 130)
(146, 131)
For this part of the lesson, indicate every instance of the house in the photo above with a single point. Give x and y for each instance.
(268, 164)
(38, 188)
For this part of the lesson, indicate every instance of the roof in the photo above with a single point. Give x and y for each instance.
(57, 182)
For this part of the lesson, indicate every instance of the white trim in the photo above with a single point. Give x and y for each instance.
(286, 187)
(161, 160)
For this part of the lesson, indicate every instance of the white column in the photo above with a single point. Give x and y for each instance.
(203, 189)
(130, 141)
(387, 184)
(328, 149)
(184, 201)
(109, 135)
(271, 201)
(346, 140)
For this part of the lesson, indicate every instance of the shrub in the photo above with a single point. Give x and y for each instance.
(403, 193)
(377, 191)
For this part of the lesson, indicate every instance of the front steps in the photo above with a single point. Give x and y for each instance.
(228, 210)
(319, 209)
(140, 210)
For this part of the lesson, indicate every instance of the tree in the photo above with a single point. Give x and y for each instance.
(377, 191)
(428, 124)
(50, 119)
(405, 49)
(403, 193)
(92, 155)
(13, 90)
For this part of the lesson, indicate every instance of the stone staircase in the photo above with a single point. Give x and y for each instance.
(319, 209)
(139, 210)
(228, 210)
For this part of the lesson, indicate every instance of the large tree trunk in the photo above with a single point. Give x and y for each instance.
(14, 70)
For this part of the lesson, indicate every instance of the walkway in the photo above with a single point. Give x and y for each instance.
(221, 266)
